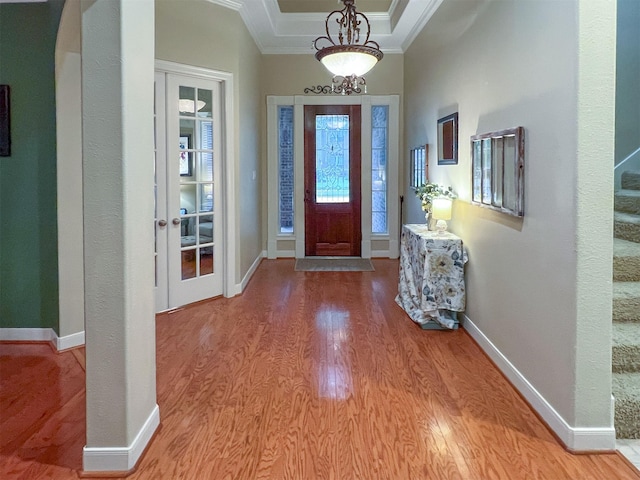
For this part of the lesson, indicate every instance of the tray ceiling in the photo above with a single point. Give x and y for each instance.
(290, 26)
(326, 6)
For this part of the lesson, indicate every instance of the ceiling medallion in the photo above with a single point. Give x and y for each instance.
(342, 51)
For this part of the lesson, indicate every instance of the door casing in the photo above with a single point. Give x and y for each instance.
(293, 244)
(228, 259)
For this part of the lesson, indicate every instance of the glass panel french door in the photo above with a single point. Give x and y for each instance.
(193, 191)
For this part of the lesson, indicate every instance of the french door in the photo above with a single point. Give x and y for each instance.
(188, 193)
(332, 180)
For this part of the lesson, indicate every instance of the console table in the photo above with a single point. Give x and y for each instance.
(431, 287)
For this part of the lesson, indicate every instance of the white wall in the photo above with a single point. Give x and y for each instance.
(69, 171)
(502, 64)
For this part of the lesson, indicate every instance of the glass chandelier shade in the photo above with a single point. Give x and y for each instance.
(343, 53)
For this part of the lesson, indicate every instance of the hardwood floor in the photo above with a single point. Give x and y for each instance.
(307, 375)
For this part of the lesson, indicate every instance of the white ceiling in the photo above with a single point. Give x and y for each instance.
(293, 31)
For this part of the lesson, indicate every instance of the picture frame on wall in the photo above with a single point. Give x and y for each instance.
(185, 156)
(497, 170)
(419, 166)
(448, 140)
(5, 122)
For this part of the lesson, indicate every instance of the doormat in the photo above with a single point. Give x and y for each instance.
(333, 264)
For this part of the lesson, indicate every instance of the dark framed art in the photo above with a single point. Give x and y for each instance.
(448, 140)
(5, 124)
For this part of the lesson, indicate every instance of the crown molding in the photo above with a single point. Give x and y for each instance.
(275, 32)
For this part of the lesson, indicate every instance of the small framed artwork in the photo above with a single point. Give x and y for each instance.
(497, 170)
(448, 140)
(419, 166)
(5, 126)
(185, 156)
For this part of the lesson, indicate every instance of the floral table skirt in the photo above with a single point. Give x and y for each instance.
(431, 275)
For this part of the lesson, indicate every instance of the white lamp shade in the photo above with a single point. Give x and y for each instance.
(186, 105)
(349, 63)
(441, 208)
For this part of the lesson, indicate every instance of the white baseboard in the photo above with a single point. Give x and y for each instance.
(574, 438)
(69, 341)
(27, 334)
(42, 335)
(121, 459)
(252, 269)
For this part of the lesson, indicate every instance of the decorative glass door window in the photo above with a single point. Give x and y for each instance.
(379, 148)
(332, 159)
(285, 168)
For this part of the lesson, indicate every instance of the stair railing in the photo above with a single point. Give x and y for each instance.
(632, 162)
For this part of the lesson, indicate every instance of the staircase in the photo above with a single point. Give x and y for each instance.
(626, 307)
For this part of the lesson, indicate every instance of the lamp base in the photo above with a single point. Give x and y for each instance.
(441, 227)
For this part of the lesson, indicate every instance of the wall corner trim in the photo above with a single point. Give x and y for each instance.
(252, 269)
(121, 459)
(42, 335)
(577, 439)
(69, 341)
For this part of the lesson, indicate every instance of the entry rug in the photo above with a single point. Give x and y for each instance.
(333, 264)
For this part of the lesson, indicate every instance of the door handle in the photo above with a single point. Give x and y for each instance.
(162, 223)
(307, 194)
(176, 221)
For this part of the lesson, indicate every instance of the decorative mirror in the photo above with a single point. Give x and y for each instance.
(419, 166)
(497, 164)
(448, 140)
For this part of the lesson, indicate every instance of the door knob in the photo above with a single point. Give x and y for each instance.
(176, 221)
(162, 223)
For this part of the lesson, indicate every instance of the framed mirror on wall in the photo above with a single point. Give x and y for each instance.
(448, 140)
(419, 166)
(497, 170)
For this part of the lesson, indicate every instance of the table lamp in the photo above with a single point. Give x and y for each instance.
(441, 211)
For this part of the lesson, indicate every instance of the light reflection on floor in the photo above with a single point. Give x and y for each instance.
(334, 366)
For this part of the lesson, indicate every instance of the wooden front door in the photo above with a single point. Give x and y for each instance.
(332, 180)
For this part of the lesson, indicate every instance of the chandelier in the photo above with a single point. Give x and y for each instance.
(346, 53)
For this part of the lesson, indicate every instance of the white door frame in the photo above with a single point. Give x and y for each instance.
(298, 102)
(228, 254)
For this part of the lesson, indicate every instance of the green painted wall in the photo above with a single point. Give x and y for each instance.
(28, 231)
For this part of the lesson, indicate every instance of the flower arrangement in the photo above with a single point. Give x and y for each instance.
(428, 191)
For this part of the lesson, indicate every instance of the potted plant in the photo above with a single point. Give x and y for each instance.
(427, 192)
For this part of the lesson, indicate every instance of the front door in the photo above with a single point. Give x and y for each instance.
(332, 180)
(189, 240)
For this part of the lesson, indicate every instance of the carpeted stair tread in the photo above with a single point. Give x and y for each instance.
(626, 301)
(626, 390)
(626, 347)
(626, 260)
(626, 226)
(628, 201)
(631, 180)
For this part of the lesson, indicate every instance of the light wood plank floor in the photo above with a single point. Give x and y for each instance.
(307, 375)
